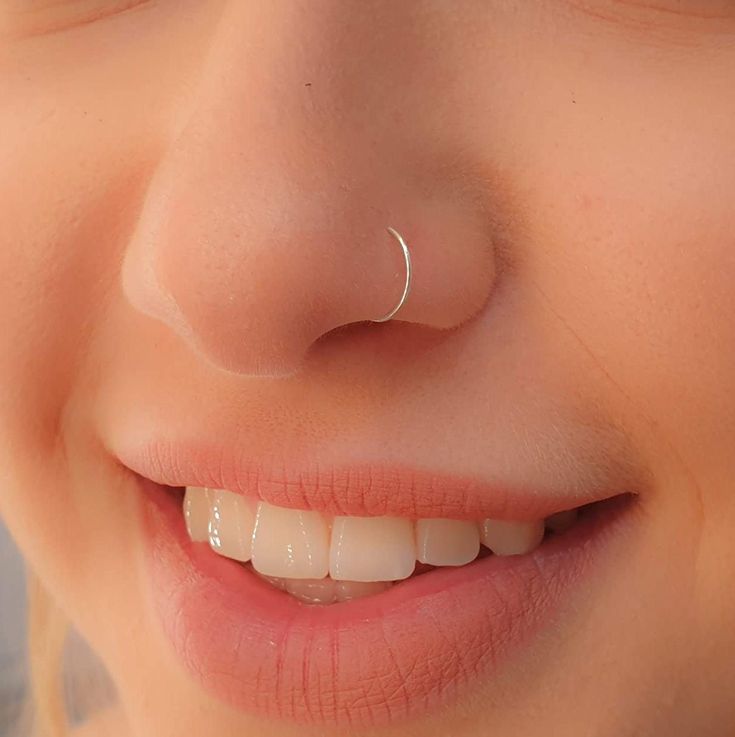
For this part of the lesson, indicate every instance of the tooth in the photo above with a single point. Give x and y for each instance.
(313, 591)
(196, 513)
(372, 549)
(511, 538)
(231, 521)
(279, 583)
(347, 590)
(290, 543)
(562, 521)
(327, 590)
(446, 542)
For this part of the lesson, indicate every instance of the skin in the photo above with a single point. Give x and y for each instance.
(194, 195)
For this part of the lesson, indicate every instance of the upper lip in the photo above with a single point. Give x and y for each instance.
(361, 490)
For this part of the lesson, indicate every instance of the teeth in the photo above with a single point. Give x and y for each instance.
(562, 521)
(196, 513)
(279, 583)
(347, 590)
(290, 543)
(327, 590)
(511, 538)
(446, 542)
(313, 591)
(231, 522)
(322, 562)
(372, 549)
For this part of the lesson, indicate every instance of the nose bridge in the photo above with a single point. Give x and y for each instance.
(264, 225)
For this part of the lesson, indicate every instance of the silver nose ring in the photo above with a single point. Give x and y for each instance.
(407, 285)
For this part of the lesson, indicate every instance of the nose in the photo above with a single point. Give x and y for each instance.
(264, 225)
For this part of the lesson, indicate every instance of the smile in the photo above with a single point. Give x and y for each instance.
(325, 559)
(332, 601)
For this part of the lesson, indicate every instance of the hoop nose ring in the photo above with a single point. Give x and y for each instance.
(407, 285)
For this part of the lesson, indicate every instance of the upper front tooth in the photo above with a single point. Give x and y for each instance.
(372, 549)
(511, 538)
(231, 522)
(196, 513)
(446, 542)
(290, 543)
(295, 544)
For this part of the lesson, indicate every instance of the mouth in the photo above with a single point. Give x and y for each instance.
(317, 612)
(328, 559)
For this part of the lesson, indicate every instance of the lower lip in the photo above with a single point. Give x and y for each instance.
(367, 662)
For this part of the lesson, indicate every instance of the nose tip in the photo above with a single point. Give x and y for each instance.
(252, 295)
(264, 224)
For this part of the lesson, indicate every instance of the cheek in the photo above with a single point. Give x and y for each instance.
(644, 283)
(69, 185)
(76, 154)
(647, 288)
(633, 240)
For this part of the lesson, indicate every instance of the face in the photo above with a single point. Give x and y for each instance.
(194, 198)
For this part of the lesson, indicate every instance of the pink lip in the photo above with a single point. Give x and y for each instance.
(367, 490)
(363, 663)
